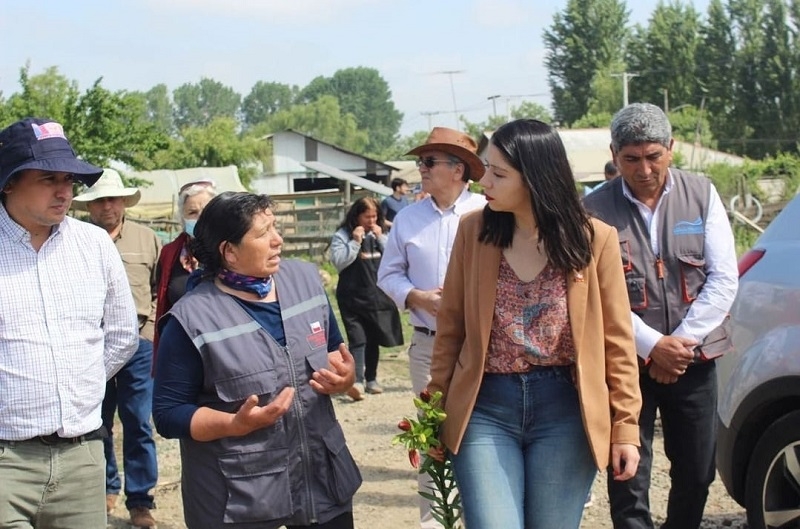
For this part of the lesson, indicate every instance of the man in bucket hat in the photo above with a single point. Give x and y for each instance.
(131, 389)
(416, 255)
(67, 323)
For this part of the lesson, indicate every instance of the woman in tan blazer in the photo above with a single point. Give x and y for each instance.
(534, 349)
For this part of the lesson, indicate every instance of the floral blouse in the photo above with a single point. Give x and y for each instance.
(531, 323)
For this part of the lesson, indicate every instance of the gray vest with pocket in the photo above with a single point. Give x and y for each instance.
(661, 287)
(299, 470)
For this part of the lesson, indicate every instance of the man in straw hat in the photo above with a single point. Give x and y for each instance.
(131, 389)
(417, 252)
(67, 323)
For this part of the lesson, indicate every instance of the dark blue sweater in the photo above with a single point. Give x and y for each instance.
(179, 369)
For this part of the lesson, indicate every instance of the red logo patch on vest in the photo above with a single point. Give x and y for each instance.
(317, 337)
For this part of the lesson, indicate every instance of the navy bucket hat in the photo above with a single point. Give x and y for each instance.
(36, 143)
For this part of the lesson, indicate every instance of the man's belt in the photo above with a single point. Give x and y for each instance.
(424, 330)
(55, 439)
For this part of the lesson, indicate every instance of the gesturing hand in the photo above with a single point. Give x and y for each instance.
(250, 416)
(341, 375)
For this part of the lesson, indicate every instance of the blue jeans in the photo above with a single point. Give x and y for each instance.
(131, 391)
(525, 461)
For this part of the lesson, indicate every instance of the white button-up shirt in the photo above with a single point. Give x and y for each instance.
(67, 324)
(716, 297)
(418, 250)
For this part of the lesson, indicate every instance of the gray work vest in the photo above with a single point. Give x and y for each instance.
(661, 287)
(298, 471)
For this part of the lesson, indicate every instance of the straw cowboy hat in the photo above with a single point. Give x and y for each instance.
(454, 143)
(109, 185)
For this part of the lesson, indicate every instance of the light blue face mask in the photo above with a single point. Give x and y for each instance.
(188, 226)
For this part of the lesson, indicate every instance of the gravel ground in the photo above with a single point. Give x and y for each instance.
(388, 499)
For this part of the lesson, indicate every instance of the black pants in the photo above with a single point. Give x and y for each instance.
(688, 417)
(343, 521)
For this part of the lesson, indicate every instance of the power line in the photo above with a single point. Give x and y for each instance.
(450, 74)
(428, 115)
(494, 104)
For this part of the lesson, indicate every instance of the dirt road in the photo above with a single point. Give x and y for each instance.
(388, 498)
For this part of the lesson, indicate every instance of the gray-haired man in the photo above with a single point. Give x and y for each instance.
(680, 266)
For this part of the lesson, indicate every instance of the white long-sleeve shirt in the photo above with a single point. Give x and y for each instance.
(418, 250)
(714, 301)
(67, 324)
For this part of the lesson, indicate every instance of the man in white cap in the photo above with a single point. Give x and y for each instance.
(67, 323)
(418, 250)
(131, 390)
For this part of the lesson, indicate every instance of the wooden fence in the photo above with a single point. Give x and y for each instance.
(308, 221)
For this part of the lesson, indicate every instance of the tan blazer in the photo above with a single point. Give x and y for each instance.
(599, 312)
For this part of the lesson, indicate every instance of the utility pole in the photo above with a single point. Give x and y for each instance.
(626, 76)
(523, 96)
(494, 104)
(428, 115)
(697, 131)
(450, 73)
(666, 100)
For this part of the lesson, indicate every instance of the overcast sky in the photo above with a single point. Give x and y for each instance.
(496, 45)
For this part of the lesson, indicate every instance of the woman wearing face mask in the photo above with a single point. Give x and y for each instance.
(176, 261)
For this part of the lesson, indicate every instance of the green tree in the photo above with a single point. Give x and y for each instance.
(199, 104)
(531, 110)
(691, 125)
(101, 125)
(525, 110)
(46, 95)
(584, 39)
(322, 119)
(159, 108)
(746, 18)
(664, 55)
(265, 99)
(777, 121)
(476, 130)
(217, 144)
(606, 91)
(715, 64)
(404, 144)
(363, 93)
(105, 126)
(593, 121)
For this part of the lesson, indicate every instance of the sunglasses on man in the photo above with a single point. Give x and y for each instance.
(430, 161)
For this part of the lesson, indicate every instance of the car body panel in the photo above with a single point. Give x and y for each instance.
(759, 380)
